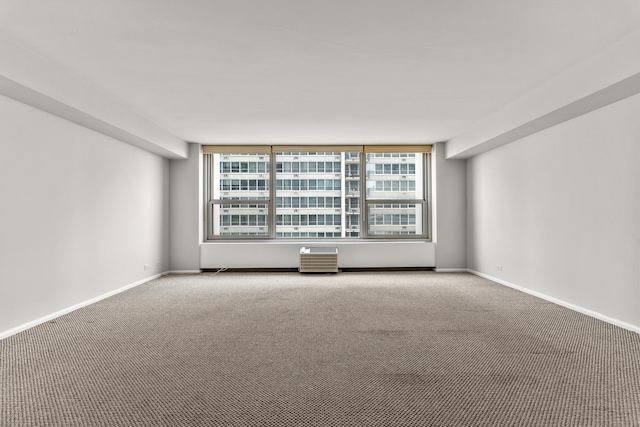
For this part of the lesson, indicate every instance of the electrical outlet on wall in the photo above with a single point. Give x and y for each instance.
(499, 268)
(146, 267)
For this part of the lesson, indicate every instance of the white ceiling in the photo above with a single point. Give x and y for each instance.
(296, 71)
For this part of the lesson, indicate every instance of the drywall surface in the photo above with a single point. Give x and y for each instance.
(34, 80)
(449, 211)
(604, 78)
(558, 212)
(281, 254)
(186, 211)
(82, 214)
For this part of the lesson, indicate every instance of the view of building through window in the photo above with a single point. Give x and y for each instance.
(241, 183)
(316, 185)
(316, 194)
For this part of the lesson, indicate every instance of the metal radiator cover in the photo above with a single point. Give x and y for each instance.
(318, 260)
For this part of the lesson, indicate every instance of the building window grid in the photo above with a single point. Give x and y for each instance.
(297, 167)
(395, 169)
(394, 185)
(308, 219)
(312, 234)
(351, 204)
(308, 184)
(302, 202)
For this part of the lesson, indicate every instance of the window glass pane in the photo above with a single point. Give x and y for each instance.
(239, 219)
(392, 177)
(395, 219)
(239, 177)
(317, 185)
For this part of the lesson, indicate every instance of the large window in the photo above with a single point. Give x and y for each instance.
(395, 195)
(238, 188)
(333, 192)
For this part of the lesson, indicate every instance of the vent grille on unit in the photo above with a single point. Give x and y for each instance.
(318, 260)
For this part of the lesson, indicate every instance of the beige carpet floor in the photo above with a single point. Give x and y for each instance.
(348, 349)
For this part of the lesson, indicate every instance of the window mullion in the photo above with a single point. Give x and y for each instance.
(272, 195)
(364, 229)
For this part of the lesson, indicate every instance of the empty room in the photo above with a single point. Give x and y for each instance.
(320, 213)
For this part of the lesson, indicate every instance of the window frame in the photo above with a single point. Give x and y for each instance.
(271, 200)
(425, 200)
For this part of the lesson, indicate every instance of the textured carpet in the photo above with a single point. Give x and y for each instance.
(352, 349)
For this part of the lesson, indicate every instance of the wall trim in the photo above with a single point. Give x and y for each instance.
(182, 272)
(451, 270)
(48, 317)
(560, 302)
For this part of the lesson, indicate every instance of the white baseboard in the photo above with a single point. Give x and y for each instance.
(450, 270)
(31, 324)
(183, 272)
(560, 302)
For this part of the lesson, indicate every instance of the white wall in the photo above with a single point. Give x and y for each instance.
(607, 76)
(449, 203)
(281, 254)
(81, 214)
(559, 212)
(186, 211)
(37, 81)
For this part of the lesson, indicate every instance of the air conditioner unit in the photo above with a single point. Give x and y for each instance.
(318, 260)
